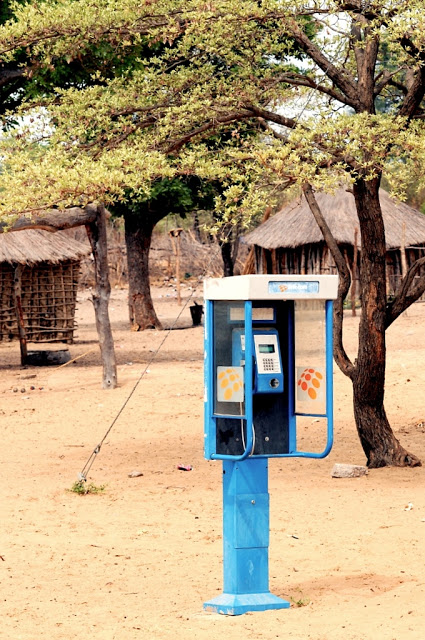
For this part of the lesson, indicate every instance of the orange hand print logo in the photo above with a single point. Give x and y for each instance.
(230, 384)
(310, 384)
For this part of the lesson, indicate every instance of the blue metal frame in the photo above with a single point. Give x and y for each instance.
(292, 420)
(210, 427)
(329, 390)
(210, 387)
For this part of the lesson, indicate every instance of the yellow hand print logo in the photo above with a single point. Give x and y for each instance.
(230, 384)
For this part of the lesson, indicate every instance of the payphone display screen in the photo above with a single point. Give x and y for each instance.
(266, 348)
(310, 357)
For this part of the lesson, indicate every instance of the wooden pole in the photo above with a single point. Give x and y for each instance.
(354, 273)
(274, 261)
(96, 232)
(403, 251)
(179, 299)
(17, 295)
(403, 255)
(250, 263)
(175, 241)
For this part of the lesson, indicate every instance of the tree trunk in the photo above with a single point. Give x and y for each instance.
(368, 372)
(17, 295)
(376, 436)
(138, 236)
(96, 232)
(226, 254)
(197, 227)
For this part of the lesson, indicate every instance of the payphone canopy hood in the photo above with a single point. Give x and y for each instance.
(272, 287)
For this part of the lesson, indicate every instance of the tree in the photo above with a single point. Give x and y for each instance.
(140, 216)
(320, 123)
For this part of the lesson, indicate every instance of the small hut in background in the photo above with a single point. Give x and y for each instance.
(291, 241)
(39, 274)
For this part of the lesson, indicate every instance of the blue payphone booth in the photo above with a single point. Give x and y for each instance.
(268, 364)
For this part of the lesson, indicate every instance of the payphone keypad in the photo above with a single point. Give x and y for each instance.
(268, 364)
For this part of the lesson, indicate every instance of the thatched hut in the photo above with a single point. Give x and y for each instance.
(291, 241)
(39, 274)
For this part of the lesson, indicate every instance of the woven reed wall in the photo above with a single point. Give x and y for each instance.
(49, 293)
(316, 259)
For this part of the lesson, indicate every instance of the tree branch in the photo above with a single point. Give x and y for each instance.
(341, 79)
(387, 78)
(365, 8)
(54, 220)
(414, 95)
(366, 64)
(298, 80)
(416, 90)
(406, 293)
(340, 355)
(334, 156)
(271, 116)
(9, 73)
(234, 116)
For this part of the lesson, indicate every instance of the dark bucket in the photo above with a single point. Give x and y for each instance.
(47, 358)
(196, 312)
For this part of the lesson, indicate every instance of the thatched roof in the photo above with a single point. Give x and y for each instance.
(34, 245)
(295, 225)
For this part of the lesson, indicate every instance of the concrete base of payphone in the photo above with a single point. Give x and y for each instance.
(245, 540)
(237, 604)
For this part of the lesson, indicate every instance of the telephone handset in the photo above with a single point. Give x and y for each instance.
(268, 375)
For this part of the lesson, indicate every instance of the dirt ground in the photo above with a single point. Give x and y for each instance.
(138, 560)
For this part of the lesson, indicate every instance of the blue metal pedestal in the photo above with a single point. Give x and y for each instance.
(245, 540)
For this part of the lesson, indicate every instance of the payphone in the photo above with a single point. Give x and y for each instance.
(268, 376)
(268, 365)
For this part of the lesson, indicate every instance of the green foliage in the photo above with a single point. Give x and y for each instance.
(153, 93)
(6, 9)
(82, 488)
(168, 196)
(300, 600)
(91, 121)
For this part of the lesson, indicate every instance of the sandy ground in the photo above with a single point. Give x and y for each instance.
(138, 560)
